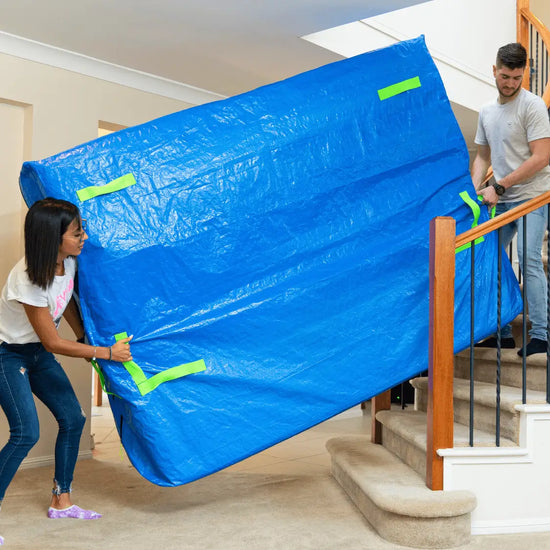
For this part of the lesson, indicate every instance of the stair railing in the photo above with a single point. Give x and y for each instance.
(443, 244)
(535, 37)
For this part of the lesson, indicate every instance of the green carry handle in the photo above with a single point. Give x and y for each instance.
(146, 385)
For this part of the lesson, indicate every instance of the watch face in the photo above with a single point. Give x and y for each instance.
(499, 189)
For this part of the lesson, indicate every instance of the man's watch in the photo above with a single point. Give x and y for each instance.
(499, 189)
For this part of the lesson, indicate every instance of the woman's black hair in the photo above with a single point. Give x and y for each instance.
(45, 224)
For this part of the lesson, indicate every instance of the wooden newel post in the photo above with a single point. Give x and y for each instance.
(440, 367)
(381, 402)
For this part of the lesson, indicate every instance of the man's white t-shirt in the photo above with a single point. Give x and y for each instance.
(508, 128)
(15, 327)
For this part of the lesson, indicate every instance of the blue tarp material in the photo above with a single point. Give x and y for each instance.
(280, 236)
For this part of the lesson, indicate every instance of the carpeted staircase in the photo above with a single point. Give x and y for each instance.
(483, 484)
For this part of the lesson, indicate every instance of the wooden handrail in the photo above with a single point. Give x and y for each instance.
(502, 220)
(537, 23)
(525, 18)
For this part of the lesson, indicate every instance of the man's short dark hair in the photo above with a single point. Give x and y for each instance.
(513, 56)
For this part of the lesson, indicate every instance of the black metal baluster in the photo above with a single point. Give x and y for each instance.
(472, 343)
(499, 329)
(524, 325)
(530, 61)
(536, 63)
(545, 80)
(539, 63)
(545, 72)
(547, 303)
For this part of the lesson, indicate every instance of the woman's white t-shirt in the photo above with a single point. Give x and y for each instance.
(15, 327)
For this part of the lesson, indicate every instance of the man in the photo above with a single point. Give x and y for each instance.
(513, 135)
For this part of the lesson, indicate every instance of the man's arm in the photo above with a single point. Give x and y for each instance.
(481, 165)
(540, 157)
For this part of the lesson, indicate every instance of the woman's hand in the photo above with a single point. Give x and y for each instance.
(121, 350)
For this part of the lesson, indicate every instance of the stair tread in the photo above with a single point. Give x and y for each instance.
(411, 426)
(391, 484)
(508, 357)
(485, 393)
(395, 499)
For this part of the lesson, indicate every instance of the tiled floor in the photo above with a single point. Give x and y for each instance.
(303, 453)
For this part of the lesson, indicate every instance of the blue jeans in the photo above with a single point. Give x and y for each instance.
(26, 369)
(534, 278)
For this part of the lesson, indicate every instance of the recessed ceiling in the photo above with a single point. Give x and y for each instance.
(224, 46)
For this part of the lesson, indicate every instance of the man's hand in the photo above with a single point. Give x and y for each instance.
(490, 197)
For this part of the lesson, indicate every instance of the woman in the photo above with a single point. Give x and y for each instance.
(37, 294)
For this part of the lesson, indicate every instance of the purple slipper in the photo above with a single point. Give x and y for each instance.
(72, 512)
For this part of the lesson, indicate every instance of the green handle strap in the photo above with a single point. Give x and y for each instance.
(97, 368)
(476, 210)
(145, 385)
(116, 185)
(493, 210)
(399, 88)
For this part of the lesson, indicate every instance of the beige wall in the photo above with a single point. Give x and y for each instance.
(12, 124)
(43, 111)
(541, 8)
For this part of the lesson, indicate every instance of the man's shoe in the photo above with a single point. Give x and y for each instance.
(505, 343)
(536, 345)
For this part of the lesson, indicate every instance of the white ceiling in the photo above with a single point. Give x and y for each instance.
(224, 46)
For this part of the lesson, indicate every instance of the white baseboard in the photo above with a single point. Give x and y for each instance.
(508, 527)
